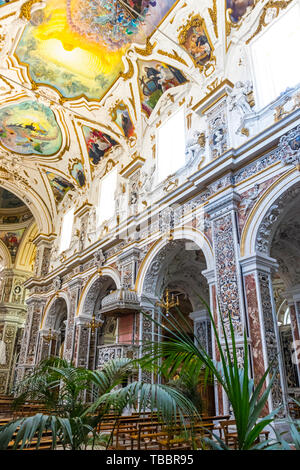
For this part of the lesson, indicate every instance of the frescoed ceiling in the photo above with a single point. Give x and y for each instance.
(83, 81)
(77, 46)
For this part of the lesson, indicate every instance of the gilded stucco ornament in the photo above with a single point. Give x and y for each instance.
(214, 18)
(25, 10)
(270, 11)
(174, 55)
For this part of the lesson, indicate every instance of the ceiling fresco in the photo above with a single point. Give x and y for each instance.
(154, 79)
(77, 46)
(66, 118)
(237, 8)
(98, 144)
(60, 186)
(12, 240)
(8, 200)
(4, 2)
(29, 128)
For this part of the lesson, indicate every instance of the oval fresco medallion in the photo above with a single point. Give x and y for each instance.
(29, 128)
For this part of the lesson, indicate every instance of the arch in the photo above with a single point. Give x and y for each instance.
(51, 303)
(267, 213)
(26, 251)
(103, 272)
(180, 233)
(36, 205)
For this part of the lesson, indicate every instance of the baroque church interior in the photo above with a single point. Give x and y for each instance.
(149, 150)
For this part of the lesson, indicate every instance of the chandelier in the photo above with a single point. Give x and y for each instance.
(93, 324)
(49, 337)
(168, 302)
(112, 22)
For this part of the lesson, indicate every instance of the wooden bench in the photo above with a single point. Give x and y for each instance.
(231, 435)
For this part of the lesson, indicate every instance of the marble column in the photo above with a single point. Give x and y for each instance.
(44, 246)
(202, 329)
(221, 402)
(27, 359)
(148, 332)
(9, 334)
(82, 341)
(12, 319)
(293, 298)
(44, 346)
(263, 327)
(74, 290)
(227, 288)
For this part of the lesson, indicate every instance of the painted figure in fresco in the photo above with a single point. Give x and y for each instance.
(197, 45)
(238, 8)
(155, 80)
(12, 243)
(98, 144)
(127, 125)
(12, 219)
(59, 185)
(80, 177)
(9, 200)
(29, 127)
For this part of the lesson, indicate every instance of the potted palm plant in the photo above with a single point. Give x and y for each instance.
(177, 350)
(73, 423)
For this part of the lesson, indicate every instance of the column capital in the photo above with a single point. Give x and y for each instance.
(223, 203)
(148, 301)
(36, 299)
(210, 275)
(82, 320)
(199, 315)
(293, 294)
(258, 262)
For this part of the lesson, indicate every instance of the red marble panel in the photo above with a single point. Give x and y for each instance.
(255, 331)
(126, 328)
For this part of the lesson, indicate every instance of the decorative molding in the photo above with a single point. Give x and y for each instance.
(277, 5)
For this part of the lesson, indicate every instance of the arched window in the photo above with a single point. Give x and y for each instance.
(171, 145)
(66, 230)
(274, 56)
(106, 206)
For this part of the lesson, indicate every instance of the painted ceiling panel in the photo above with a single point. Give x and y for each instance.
(60, 186)
(29, 128)
(8, 200)
(77, 46)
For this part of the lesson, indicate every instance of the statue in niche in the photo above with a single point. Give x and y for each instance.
(218, 137)
(195, 145)
(2, 352)
(133, 196)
